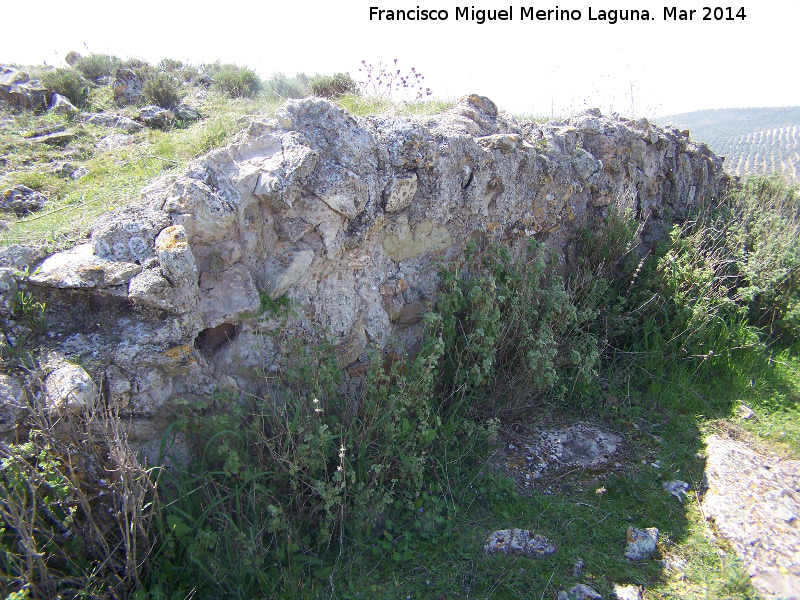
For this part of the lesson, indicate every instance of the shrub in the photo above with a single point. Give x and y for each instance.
(163, 90)
(333, 86)
(236, 82)
(139, 66)
(97, 66)
(68, 83)
(281, 87)
(511, 327)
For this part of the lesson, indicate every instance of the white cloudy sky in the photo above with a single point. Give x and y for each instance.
(654, 67)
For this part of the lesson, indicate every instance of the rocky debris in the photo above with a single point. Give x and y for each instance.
(13, 404)
(754, 501)
(72, 58)
(155, 116)
(22, 200)
(61, 105)
(69, 389)
(55, 135)
(345, 220)
(79, 268)
(113, 121)
(18, 90)
(627, 592)
(186, 113)
(8, 291)
(580, 591)
(517, 542)
(641, 543)
(582, 446)
(21, 258)
(128, 88)
(70, 170)
(676, 488)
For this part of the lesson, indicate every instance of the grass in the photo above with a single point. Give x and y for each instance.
(297, 502)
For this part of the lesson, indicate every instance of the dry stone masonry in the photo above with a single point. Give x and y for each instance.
(344, 219)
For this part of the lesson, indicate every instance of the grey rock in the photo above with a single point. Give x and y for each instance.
(401, 192)
(21, 92)
(13, 404)
(69, 390)
(186, 113)
(8, 291)
(676, 488)
(517, 542)
(22, 200)
(72, 58)
(627, 592)
(580, 591)
(113, 121)
(128, 88)
(754, 503)
(155, 116)
(79, 268)
(58, 138)
(62, 106)
(641, 543)
(20, 257)
(347, 218)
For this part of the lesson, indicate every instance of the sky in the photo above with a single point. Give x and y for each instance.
(649, 68)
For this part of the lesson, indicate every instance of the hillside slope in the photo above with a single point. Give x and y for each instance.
(754, 140)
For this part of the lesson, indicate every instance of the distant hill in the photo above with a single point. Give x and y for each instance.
(753, 140)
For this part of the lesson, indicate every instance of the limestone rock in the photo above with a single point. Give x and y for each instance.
(286, 266)
(22, 200)
(20, 257)
(128, 234)
(18, 90)
(401, 192)
(155, 116)
(517, 542)
(175, 256)
(225, 296)
(69, 389)
(62, 106)
(128, 88)
(72, 58)
(627, 592)
(13, 404)
(580, 591)
(404, 242)
(80, 268)
(113, 121)
(345, 219)
(755, 505)
(8, 291)
(641, 543)
(186, 113)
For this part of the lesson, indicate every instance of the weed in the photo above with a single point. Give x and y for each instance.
(391, 83)
(280, 87)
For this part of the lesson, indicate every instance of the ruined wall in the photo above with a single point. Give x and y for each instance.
(346, 218)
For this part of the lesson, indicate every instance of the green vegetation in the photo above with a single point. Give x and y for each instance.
(95, 67)
(235, 81)
(306, 494)
(69, 84)
(162, 89)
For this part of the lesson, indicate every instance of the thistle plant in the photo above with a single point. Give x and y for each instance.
(389, 82)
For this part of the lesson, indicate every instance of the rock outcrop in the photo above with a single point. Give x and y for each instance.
(345, 220)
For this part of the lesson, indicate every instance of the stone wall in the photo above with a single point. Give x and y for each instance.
(347, 219)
